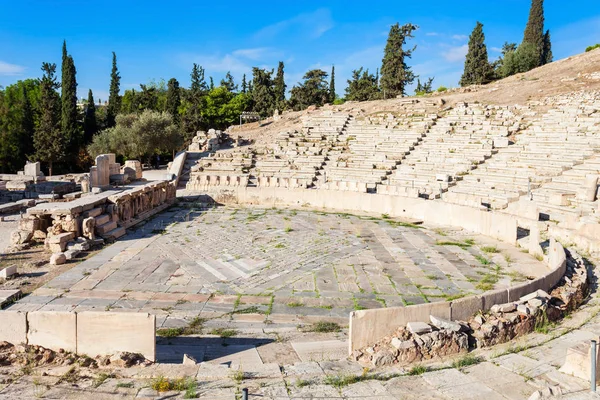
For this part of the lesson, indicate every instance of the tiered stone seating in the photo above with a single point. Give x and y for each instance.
(556, 142)
(376, 145)
(224, 168)
(452, 147)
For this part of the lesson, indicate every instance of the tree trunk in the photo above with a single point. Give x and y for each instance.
(50, 168)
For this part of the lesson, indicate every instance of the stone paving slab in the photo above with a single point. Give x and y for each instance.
(321, 351)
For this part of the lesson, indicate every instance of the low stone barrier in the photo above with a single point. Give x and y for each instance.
(369, 326)
(88, 332)
(496, 225)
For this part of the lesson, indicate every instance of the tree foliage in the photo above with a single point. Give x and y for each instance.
(332, 85)
(114, 99)
(18, 118)
(478, 70)
(424, 88)
(362, 86)
(69, 112)
(396, 75)
(313, 91)
(138, 136)
(524, 59)
(229, 83)
(534, 30)
(279, 83)
(263, 92)
(173, 100)
(49, 142)
(90, 123)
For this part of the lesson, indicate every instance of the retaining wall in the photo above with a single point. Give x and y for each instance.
(369, 326)
(87, 332)
(500, 226)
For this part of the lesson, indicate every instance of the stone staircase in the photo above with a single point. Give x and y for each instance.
(191, 159)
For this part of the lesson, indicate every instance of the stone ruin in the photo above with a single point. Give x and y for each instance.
(206, 141)
(98, 212)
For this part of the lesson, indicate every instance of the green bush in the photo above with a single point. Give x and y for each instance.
(594, 47)
(442, 89)
(524, 59)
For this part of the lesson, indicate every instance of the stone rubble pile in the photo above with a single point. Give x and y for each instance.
(419, 341)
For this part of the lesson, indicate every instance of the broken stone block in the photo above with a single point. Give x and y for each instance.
(71, 254)
(383, 358)
(503, 308)
(418, 328)
(535, 302)
(8, 272)
(523, 309)
(442, 323)
(578, 361)
(189, 360)
(397, 343)
(20, 237)
(58, 259)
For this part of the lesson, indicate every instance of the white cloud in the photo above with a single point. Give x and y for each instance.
(10, 69)
(311, 25)
(460, 37)
(456, 54)
(432, 34)
(252, 54)
(496, 49)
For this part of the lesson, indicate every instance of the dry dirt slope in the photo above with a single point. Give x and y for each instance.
(580, 72)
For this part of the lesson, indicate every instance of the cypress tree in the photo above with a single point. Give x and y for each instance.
(192, 117)
(48, 140)
(263, 92)
(478, 70)
(244, 84)
(280, 86)
(173, 99)
(69, 124)
(114, 100)
(395, 73)
(212, 84)
(534, 31)
(90, 124)
(332, 85)
(547, 50)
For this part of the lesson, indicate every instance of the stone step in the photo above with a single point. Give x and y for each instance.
(107, 227)
(114, 233)
(102, 219)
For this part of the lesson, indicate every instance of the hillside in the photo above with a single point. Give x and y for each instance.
(572, 74)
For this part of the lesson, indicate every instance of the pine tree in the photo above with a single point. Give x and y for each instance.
(313, 91)
(362, 86)
(547, 50)
(69, 124)
(114, 100)
(280, 86)
(377, 77)
(90, 124)
(244, 84)
(212, 84)
(173, 100)
(478, 70)
(229, 83)
(48, 140)
(332, 85)
(263, 92)
(192, 117)
(395, 73)
(534, 31)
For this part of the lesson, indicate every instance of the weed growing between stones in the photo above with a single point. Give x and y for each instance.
(294, 304)
(125, 385)
(463, 245)
(417, 370)
(194, 328)
(466, 361)
(325, 327)
(238, 375)
(300, 383)
(490, 249)
(101, 378)
(340, 381)
(223, 332)
(483, 260)
(162, 384)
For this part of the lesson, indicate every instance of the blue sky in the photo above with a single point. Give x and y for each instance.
(155, 40)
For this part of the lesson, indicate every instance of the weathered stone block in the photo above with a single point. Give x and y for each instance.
(58, 259)
(54, 330)
(8, 272)
(103, 333)
(13, 326)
